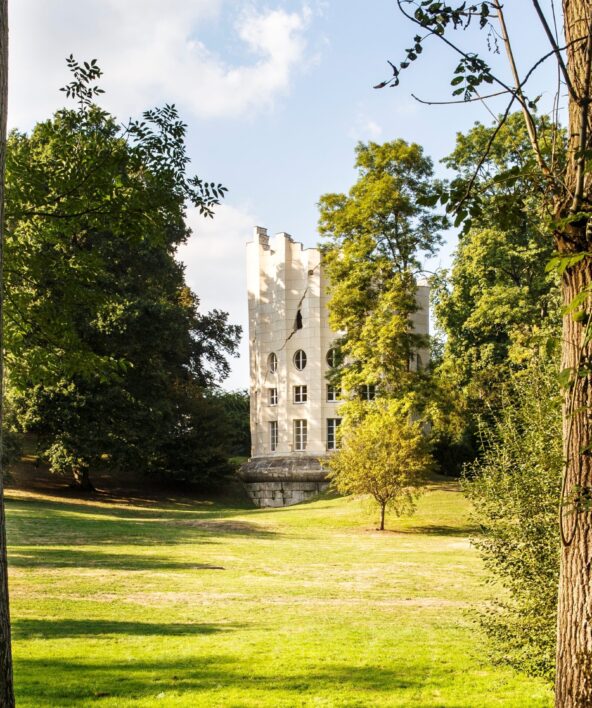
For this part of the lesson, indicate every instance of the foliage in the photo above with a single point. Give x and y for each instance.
(497, 306)
(236, 407)
(383, 454)
(373, 238)
(106, 347)
(515, 490)
(498, 303)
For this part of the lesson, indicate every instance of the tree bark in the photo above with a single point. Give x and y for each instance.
(382, 513)
(573, 686)
(574, 639)
(82, 480)
(6, 681)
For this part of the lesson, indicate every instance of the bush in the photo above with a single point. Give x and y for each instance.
(515, 490)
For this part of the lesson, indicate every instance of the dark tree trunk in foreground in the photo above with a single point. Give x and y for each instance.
(6, 684)
(574, 647)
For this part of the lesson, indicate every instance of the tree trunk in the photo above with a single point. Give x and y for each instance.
(6, 683)
(574, 645)
(382, 512)
(574, 622)
(82, 480)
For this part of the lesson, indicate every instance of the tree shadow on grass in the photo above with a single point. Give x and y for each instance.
(70, 629)
(30, 557)
(465, 531)
(74, 682)
(131, 508)
(34, 524)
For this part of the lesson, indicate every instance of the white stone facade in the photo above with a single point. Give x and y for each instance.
(288, 316)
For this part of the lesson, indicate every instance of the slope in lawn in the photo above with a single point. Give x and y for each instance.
(197, 604)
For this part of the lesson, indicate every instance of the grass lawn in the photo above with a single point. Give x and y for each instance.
(199, 604)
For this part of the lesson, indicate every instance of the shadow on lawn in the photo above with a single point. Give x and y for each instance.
(33, 524)
(104, 508)
(465, 531)
(71, 629)
(75, 681)
(69, 558)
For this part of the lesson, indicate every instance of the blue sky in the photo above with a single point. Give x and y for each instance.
(275, 94)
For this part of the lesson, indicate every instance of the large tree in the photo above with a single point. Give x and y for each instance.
(373, 240)
(568, 194)
(107, 349)
(498, 303)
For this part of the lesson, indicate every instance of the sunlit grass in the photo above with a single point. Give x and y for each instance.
(195, 604)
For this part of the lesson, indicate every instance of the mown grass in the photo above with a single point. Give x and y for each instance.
(183, 603)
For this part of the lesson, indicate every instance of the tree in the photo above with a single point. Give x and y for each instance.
(383, 454)
(106, 345)
(498, 305)
(236, 406)
(515, 486)
(6, 680)
(373, 239)
(568, 196)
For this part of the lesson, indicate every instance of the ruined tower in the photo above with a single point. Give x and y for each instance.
(294, 409)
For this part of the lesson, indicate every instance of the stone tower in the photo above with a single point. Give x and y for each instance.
(294, 410)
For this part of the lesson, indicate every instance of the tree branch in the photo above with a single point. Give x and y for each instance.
(584, 104)
(556, 50)
(530, 124)
(460, 100)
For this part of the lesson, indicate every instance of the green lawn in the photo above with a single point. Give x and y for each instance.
(198, 604)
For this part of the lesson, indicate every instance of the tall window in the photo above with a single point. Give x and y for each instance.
(332, 425)
(273, 435)
(300, 360)
(368, 392)
(273, 397)
(272, 362)
(333, 393)
(300, 435)
(300, 394)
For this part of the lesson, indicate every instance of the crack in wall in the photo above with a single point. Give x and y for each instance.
(295, 328)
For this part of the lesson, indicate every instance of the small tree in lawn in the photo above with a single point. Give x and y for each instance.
(383, 455)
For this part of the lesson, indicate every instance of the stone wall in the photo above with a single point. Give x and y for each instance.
(282, 481)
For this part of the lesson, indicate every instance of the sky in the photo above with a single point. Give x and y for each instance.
(275, 94)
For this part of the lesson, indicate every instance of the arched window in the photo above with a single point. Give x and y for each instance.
(333, 357)
(300, 360)
(272, 362)
(298, 320)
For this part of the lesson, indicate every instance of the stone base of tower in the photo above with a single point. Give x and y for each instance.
(283, 481)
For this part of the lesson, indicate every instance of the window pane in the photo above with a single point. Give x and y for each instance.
(272, 362)
(273, 435)
(333, 357)
(333, 392)
(300, 394)
(332, 425)
(300, 360)
(300, 434)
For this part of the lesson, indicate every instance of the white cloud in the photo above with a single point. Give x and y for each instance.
(215, 260)
(152, 52)
(365, 128)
